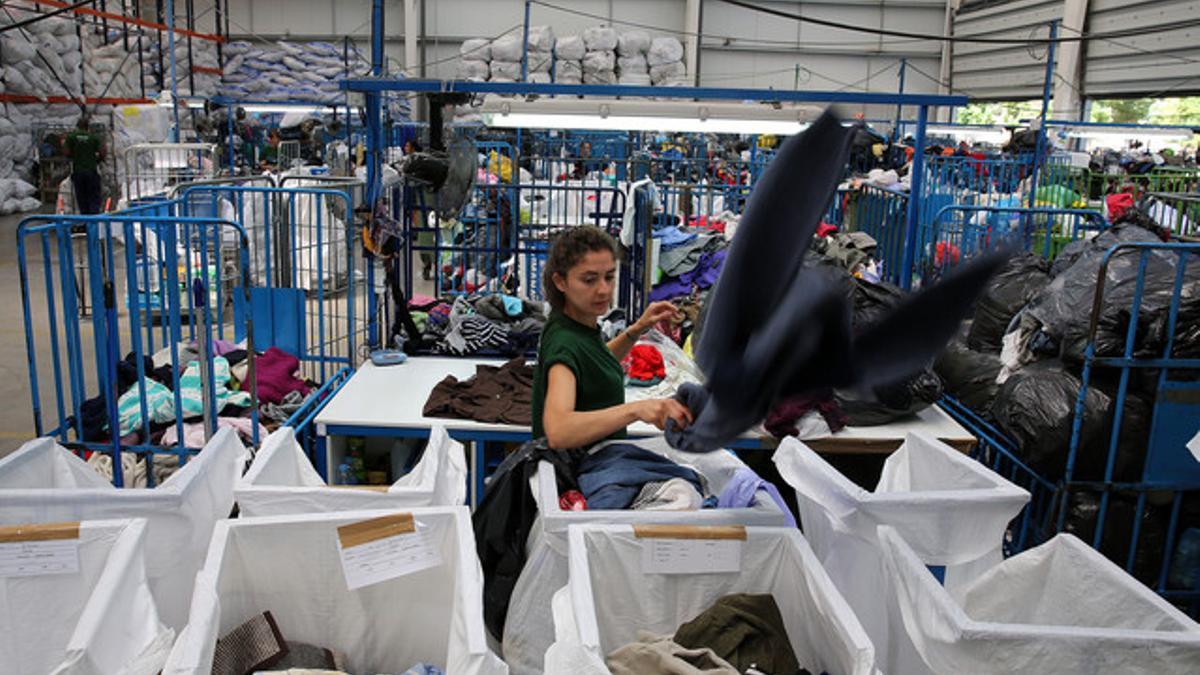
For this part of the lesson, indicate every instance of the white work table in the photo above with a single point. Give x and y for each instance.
(388, 401)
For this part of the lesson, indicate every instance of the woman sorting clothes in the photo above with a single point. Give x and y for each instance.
(579, 386)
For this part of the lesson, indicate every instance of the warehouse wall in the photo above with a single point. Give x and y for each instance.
(752, 49)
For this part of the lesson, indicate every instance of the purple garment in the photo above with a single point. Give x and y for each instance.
(740, 490)
(223, 347)
(704, 275)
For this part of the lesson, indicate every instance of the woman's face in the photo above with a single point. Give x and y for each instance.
(589, 285)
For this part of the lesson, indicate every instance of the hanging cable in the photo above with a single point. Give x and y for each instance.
(956, 38)
(727, 38)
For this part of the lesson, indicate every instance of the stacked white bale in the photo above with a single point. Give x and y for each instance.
(600, 61)
(665, 58)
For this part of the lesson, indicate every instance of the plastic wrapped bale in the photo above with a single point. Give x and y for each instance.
(599, 62)
(507, 48)
(539, 78)
(568, 72)
(476, 49)
(570, 48)
(529, 626)
(472, 70)
(664, 50)
(541, 39)
(969, 376)
(634, 79)
(1036, 408)
(600, 39)
(93, 617)
(633, 43)
(505, 70)
(601, 77)
(1059, 608)
(43, 482)
(633, 65)
(281, 480)
(539, 62)
(1006, 294)
(674, 70)
(953, 509)
(611, 598)
(291, 567)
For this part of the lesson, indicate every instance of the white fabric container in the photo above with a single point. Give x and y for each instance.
(529, 626)
(476, 49)
(600, 38)
(43, 482)
(609, 599)
(664, 50)
(99, 620)
(290, 566)
(570, 47)
(1059, 608)
(281, 480)
(633, 43)
(953, 510)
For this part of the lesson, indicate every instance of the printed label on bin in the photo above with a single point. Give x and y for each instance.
(383, 548)
(671, 549)
(35, 550)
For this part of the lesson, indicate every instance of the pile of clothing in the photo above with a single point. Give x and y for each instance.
(280, 393)
(494, 395)
(482, 324)
(644, 366)
(625, 476)
(741, 633)
(690, 260)
(258, 646)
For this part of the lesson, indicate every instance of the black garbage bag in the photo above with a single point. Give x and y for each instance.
(1083, 513)
(1187, 332)
(1036, 408)
(891, 402)
(1064, 307)
(1006, 294)
(897, 400)
(969, 376)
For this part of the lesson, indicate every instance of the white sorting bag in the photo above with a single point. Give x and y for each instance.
(74, 599)
(1059, 608)
(292, 566)
(281, 480)
(180, 513)
(953, 510)
(611, 596)
(529, 626)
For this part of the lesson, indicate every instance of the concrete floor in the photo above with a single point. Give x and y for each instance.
(16, 408)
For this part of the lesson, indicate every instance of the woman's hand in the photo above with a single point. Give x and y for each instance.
(657, 411)
(657, 311)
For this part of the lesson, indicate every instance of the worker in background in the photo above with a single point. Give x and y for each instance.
(578, 384)
(86, 150)
(420, 201)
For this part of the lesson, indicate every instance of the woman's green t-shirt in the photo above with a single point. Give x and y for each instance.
(599, 380)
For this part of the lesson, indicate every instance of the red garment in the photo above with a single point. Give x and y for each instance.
(1118, 204)
(572, 500)
(946, 253)
(708, 223)
(644, 363)
(825, 229)
(275, 371)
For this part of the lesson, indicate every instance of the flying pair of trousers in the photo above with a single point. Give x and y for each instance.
(775, 327)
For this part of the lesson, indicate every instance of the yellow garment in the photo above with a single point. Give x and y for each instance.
(877, 150)
(687, 346)
(500, 167)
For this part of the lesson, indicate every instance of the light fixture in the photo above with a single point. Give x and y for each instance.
(979, 133)
(639, 115)
(283, 108)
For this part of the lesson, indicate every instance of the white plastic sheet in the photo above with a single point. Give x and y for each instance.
(634, 42)
(664, 50)
(289, 565)
(281, 480)
(952, 509)
(1059, 608)
(100, 620)
(476, 49)
(600, 38)
(609, 599)
(528, 628)
(181, 512)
